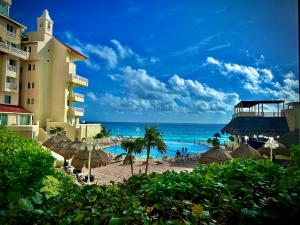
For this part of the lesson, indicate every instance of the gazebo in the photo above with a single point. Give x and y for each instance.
(216, 154)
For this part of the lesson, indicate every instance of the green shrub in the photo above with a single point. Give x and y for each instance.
(238, 192)
(295, 154)
(23, 163)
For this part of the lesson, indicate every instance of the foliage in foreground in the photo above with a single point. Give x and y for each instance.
(23, 164)
(238, 192)
(103, 133)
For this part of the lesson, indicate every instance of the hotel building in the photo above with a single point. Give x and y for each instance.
(38, 77)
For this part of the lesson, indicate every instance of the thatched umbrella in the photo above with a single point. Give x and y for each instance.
(98, 158)
(216, 154)
(245, 150)
(280, 150)
(59, 137)
(64, 148)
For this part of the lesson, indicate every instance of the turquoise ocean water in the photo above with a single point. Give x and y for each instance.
(176, 136)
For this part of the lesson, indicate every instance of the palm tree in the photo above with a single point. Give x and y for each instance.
(130, 147)
(153, 139)
(56, 130)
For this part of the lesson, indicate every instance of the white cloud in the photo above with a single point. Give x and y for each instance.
(211, 60)
(92, 96)
(109, 57)
(145, 92)
(104, 52)
(258, 80)
(219, 47)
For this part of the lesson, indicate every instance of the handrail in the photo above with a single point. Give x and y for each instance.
(11, 86)
(12, 68)
(78, 95)
(11, 34)
(13, 50)
(79, 110)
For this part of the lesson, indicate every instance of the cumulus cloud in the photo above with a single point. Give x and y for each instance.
(105, 56)
(146, 92)
(258, 80)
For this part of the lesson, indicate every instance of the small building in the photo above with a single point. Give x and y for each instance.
(263, 117)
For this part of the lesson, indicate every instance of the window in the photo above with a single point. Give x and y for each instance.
(49, 26)
(12, 62)
(25, 49)
(7, 99)
(4, 9)
(29, 67)
(10, 80)
(32, 101)
(25, 120)
(11, 28)
(28, 85)
(21, 70)
(28, 101)
(33, 66)
(32, 85)
(3, 119)
(29, 49)
(41, 24)
(48, 49)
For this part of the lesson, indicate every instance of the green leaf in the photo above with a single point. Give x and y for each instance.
(116, 221)
(37, 198)
(25, 204)
(78, 218)
(13, 196)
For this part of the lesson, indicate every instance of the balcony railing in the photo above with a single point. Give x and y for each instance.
(11, 87)
(11, 34)
(79, 80)
(77, 111)
(258, 114)
(12, 68)
(77, 95)
(14, 51)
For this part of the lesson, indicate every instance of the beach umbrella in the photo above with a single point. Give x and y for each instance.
(55, 139)
(280, 150)
(216, 154)
(62, 148)
(245, 150)
(98, 158)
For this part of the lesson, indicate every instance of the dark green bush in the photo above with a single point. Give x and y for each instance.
(238, 192)
(23, 164)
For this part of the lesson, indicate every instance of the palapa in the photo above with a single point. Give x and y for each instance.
(98, 158)
(280, 150)
(216, 154)
(245, 151)
(59, 137)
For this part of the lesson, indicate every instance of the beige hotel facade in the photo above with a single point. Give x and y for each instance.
(38, 80)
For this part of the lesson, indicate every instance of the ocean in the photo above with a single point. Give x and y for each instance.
(176, 136)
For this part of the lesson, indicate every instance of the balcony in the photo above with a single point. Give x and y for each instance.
(76, 97)
(14, 51)
(258, 114)
(78, 80)
(11, 34)
(77, 111)
(10, 87)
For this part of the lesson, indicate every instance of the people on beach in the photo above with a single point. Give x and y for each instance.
(178, 154)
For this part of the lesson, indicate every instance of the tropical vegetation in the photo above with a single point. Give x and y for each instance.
(131, 147)
(103, 133)
(214, 141)
(237, 192)
(153, 139)
(56, 130)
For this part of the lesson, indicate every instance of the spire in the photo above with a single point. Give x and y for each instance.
(46, 16)
(45, 23)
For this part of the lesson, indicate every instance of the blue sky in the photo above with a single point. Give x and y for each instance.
(176, 61)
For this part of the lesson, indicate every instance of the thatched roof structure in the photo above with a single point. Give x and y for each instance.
(281, 150)
(99, 158)
(245, 150)
(250, 125)
(59, 137)
(215, 154)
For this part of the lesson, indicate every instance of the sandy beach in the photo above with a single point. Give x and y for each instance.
(117, 172)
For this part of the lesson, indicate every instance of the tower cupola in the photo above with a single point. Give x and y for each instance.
(45, 23)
